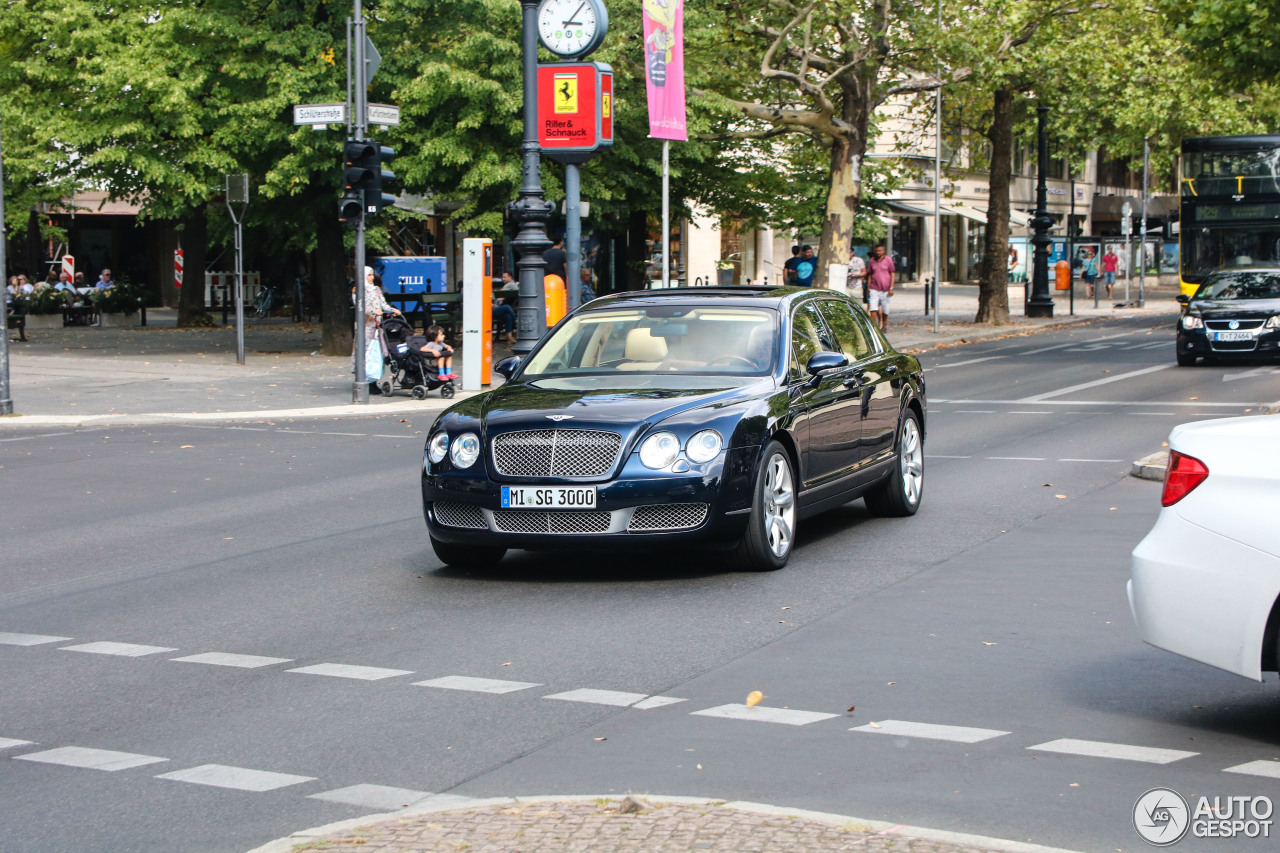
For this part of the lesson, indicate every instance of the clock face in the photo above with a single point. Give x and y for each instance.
(571, 27)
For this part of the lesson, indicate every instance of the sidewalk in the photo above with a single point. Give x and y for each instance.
(628, 825)
(161, 374)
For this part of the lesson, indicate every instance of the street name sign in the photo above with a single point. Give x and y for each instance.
(383, 115)
(319, 115)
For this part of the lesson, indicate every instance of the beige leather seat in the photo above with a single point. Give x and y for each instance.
(643, 351)
(760, 346)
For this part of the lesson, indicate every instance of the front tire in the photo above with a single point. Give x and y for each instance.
(1186, 359)
(770, 536)
(900, 493)
(467, 556)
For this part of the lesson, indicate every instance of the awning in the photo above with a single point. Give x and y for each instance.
(1017, 218)
(911, 209)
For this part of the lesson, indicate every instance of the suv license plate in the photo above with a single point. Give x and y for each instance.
(1233, 336)
(548, 497)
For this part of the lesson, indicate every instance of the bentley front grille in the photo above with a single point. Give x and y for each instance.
(654, 517)
(452, 514)
(540, 521)
(556, 453)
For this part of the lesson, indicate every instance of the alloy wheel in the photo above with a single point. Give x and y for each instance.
(779, 505)
(912, 461)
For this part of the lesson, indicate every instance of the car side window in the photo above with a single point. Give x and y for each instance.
(808, 336)
(849, 333)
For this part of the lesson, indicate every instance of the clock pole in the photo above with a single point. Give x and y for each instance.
(530, 211)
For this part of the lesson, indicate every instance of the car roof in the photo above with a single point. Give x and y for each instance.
(1251, 268)
(761, 295)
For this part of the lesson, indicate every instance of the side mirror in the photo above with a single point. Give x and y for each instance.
(820, 361)
(1182, 298)
(507, 366)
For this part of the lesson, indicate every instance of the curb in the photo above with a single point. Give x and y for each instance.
(1151, 467)
(877, 827)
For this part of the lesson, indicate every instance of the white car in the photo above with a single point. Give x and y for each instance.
(1206, 579)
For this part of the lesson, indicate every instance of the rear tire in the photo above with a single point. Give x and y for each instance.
(770, 536)
(446, 391)
(467, 556)
(385, 388)
(900, 493)
(1186, 359)
(419, 392)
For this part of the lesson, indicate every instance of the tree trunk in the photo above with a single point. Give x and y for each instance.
(993, 287)
(842, 204)
(337, 315)
(195, 241)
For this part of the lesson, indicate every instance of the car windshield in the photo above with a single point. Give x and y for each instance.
(666, 339)
(1261, 284)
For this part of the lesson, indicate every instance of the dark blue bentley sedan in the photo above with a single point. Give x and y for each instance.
(680, 418)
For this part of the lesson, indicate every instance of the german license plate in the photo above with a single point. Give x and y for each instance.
(548, 497)
(1233, 336)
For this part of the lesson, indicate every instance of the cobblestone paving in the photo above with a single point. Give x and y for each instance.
(656, 827)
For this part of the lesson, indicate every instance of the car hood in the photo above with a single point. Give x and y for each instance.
(1243, 309)
(621, 403)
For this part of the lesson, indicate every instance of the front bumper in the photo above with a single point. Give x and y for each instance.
(639, 509)
(1266, 344)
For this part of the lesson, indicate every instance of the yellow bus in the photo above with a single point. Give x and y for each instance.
(1230, 205)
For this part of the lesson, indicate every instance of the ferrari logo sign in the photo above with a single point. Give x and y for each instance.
(566, 93)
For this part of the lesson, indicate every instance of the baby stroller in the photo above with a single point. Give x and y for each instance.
(407, 366)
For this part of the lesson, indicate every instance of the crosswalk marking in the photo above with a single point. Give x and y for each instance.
(224, 659)
(761, 714)
(1123, 751)
(932, 731)
(8, 639)
(238, 778)
(476, 685)
(10, 743)
(599, 697)
(129, 650)
(342, 670)
(373, 796)
(90, 759)
(657, 702)
(1270, 769)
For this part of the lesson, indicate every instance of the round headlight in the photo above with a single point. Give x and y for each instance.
(659, 450)
(465, 450)
(438, 447)
(1191, 321)
(704, 446)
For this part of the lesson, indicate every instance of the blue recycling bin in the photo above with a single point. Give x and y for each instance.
(412, 275)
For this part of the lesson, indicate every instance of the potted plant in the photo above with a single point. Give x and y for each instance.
(43, 308)
(116, 304)
(724, 273)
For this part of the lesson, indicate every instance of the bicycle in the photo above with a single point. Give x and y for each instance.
(263, 304)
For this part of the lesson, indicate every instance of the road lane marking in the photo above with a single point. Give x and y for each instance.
(225, 659)
(8, 639)
(1019, 458)
(761, 714)
(1270, 769)
(931, 731)
(90, 759)
(42, 435)
(599, 697)
(10, 743)
(1106, 380)
(1124, 751)
(1073, 344)
(128, 650)
(237, 778)
(1155, 414)
(373, 796)
(657, 702)
(967, 361)
(1091, 460)
(342, 670)
(1032, 413)
(972, 411)
(476, 685)
(943, 456)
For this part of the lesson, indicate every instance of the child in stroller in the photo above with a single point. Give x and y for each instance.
(411, 361)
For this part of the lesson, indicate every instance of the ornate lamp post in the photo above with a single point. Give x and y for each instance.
(530, 211)
(1041, 304)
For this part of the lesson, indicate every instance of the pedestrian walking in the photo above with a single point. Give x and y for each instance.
(857, 278)
(880, 271)
(1089, 272)
(556, 259)
(789, 268)
(806, 267)
(1110, 263)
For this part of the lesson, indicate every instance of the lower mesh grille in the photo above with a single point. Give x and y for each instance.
(667, 517)
(1233, 346)
(452, 514)
(538, 521)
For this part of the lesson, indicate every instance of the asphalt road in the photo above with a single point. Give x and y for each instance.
(996, 618)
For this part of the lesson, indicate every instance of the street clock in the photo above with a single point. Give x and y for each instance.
(572, 28)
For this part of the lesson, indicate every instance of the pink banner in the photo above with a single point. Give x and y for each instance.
(664, 67)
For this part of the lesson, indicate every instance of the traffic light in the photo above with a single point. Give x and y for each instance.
(364, 176)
